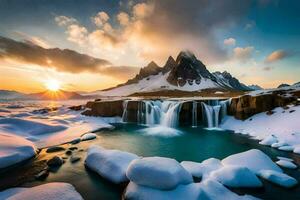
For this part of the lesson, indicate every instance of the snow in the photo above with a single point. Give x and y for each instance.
(88, 136)
(236, 176)
(206, 190)
(190, 191)
(155, 83)
(297, 149)
(213, 190)
(194, 168)
(14, 149)
(49, 191)
(278, 178)
(158, 172)
(110, 164)
(282, 126)
(286, 164)
(253, 159)
(269, 140)
(285, 158)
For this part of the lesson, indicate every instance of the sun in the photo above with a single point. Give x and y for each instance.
(53, 85)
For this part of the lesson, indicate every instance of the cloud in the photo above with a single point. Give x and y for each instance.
(61, 59)
(77, 34)
(64, 20)
(100, 19)
(123, 18)
(147, 30)
(33, 40)
(229, 42)
(276, 56)
(243, 54)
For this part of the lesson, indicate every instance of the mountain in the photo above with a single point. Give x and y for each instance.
(283, 85)
(255, 87)
(58, 95)
(186, 73)
(10, 94)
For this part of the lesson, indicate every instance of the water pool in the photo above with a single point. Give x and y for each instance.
(194, 144)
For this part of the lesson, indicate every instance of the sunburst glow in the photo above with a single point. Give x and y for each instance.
(53, 85)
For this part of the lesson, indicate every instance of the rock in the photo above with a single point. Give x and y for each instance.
(74, 159)
(270, 112)
(55, 149)
(69, 152)
(73, 148)
(75, 141)
(88, 136)
(291, 111)
(76, 108)
(105, 108)
(55, 162)
(42, 175)
(158, 172)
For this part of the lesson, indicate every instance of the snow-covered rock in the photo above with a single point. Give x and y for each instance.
(285, 158)
(286, 148)
(88, 136)
(158, 172)
(253, 159)
(110, 164)
(14, 149)
(278, 144)
(235, 176)
(49, 191)
(269, 140)
(278, 178)
(213, 190)
(297, 149)
(136, 192)
(286, 164)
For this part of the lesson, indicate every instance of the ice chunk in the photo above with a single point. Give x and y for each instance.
(285, 158)
(269, 140)
(190, 191)
(286, 164)
(158, 172)
(194, 168)
(14, 149)
(253, 159)
(53, 191)
(278, 178)
(235, 176)
(110, 164)
(297, 150)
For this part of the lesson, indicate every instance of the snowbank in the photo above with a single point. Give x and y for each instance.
(280, 130)
(236, 176)
(278, 178)
(286, 164)
(110, 164)
(158, 172)
(253, 159)
(14, 149)
(49, 191)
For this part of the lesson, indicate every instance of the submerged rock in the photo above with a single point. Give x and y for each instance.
(88, 136)
(69, 152)
(55, 162)
(42, 175)
(74, 159)
(75, 141)
(55, 149)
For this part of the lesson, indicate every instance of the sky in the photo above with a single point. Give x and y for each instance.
(88, 45)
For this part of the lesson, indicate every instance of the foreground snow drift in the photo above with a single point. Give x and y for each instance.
(14, 149)
(280, 130)
(111, 164)
(49, 191)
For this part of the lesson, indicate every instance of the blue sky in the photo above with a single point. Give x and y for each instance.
(257, 41)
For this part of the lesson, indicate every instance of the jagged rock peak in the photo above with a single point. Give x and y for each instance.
(170, 64)
(186, 54)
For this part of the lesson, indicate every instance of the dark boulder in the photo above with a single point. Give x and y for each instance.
(55, 162)
(105, 108)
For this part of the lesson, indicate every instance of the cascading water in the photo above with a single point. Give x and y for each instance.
(212, 112)
(125, 113)
(170, 117)
(194, 114)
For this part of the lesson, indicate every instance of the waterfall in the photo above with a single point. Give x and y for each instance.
(212, 112)
(124, 115)
(194, 114)
(170, 118)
